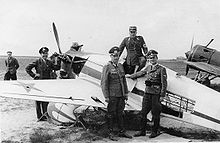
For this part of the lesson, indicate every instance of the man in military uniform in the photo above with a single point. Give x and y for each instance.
(156, 84)
(115, 90)
(43, 67)
(67, 65)
(134, 44)
(12, 65)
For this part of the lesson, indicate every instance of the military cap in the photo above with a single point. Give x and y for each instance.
(132, 28)
(9, 51)
(151, 53)
(76, 45)
(43, 50)
(114, 50)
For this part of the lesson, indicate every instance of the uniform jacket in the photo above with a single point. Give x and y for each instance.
(134, 48)
(157, 76)
(44, 68)
(67, 66)
(11, 65)
(113, 82)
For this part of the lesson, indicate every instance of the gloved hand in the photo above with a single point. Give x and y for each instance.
(128, 76)
(37, 76)
(164, 97)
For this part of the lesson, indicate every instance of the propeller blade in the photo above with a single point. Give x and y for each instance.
(189, 55)
(56, 37)
(192, 43)
(209, 42)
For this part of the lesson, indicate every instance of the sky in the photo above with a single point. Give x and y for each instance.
(167, 26)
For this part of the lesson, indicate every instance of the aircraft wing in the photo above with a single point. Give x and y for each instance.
(205, 67)
(72, 91)
(74, 53)
(80, 91)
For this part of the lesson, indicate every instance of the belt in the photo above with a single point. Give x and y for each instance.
(150, 83)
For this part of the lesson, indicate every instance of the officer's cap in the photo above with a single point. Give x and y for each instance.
(151, 53)
(43, 50)
(114, 50)
(9, 52)
(132, 28)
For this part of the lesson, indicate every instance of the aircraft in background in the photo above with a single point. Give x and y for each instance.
(203, 59)
(188, 101)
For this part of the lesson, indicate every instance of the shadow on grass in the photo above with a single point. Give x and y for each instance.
(40, 136)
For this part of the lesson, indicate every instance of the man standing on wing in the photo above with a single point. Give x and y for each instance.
(135, 46)
(156, 84)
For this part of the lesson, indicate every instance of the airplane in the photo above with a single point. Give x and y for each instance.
(188, 101)
(203, 59)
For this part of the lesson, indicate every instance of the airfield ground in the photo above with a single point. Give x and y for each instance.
(18, 121)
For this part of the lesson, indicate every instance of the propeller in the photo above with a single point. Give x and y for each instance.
(207, 46)
(192, 43)
(189, 55)
(56, 37)
(209, 42)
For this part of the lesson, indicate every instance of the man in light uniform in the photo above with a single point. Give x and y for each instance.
(115, 90)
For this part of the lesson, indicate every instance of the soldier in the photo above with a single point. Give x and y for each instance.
(115, 90)
(135, 59)
(156, 84)
(67, 65)
(43, 67)
(12, 65)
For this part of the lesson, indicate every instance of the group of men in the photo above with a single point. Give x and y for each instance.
(45, 68)
(114, 85)
(113, 80)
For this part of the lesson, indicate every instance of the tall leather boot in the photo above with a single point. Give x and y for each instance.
(110, 128)
(155, 129)
(142, 132)
(111, 135)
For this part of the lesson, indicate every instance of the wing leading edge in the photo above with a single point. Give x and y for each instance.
(205, 67)
(80, 91)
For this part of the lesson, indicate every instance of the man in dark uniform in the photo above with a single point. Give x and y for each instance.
(43, 67)
(115, 90)
(12, 65)
(156, 84)
(135, 59)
